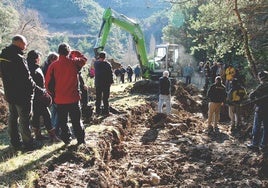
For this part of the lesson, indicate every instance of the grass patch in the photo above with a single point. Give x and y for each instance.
(18, 168)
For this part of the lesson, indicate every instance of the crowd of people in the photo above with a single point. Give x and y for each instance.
(51, 91)
(225, 86)
(121, 72)
(56, 91)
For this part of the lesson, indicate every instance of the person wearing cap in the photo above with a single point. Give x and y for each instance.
(236, 95)
(164, 93)
(63, 74)
(40, 106)
(260, 97)
(19, 88)
(217, 96)
(103, 81)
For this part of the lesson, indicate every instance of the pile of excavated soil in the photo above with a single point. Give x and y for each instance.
(138, 147)
(142, 148)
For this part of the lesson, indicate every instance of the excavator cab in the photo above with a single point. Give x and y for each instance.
(166, 57)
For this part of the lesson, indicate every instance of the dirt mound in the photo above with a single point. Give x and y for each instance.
(187, 98)
(145, 87)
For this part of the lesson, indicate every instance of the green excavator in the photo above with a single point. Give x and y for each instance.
(166, 56)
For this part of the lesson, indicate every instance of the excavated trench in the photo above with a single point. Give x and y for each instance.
(137, 147)
(141, 148)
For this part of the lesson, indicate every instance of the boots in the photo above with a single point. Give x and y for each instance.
(38, 134)
(52, 135)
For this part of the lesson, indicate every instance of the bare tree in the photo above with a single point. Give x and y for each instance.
(248, 53)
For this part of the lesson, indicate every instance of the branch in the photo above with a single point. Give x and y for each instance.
(25, 25)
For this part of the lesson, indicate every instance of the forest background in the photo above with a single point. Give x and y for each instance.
(228, 31)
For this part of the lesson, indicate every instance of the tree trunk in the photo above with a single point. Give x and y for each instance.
(248, 53)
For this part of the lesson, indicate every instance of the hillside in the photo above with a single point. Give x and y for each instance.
(69, 16)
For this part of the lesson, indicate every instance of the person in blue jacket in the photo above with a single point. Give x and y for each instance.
(188, 72)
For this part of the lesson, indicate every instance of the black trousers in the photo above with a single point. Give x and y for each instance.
(73, 110)
(40, 109)
(102, 95)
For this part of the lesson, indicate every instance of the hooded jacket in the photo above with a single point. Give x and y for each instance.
(18, 84)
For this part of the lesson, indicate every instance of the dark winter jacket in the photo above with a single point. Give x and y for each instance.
(117, 72)
(217, 93)
(129, 71)
(38, 77)
(164, 86)
(137, 71)
(18, 84)
(103, 74)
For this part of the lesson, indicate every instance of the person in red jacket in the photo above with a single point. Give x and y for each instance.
(62, 81)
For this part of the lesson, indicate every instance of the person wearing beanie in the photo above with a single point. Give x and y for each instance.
(164, 93)
(260, 97)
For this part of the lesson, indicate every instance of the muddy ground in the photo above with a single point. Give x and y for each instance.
(137, 147)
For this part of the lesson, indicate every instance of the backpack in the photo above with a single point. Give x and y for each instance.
(237, 95)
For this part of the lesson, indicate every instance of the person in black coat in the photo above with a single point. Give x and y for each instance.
(217, 96)
(103, 81)
(122, 74)
(129, 73)
(39, 106)
(19, 88)
(164, 93)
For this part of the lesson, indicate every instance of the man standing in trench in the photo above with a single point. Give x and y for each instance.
(164, 93)
(103, 81)
(19, 88)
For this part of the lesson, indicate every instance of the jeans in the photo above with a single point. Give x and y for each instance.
(74, 111)
(164, 99)
(18, 122)
(258, 136)
(187, 80)
(55, 118)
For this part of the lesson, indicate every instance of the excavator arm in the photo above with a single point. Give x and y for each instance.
(111, 17)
